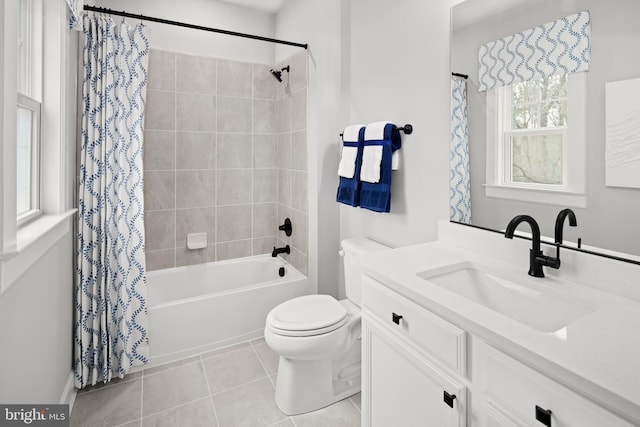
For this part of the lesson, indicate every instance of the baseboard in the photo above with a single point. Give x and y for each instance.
(69, 392)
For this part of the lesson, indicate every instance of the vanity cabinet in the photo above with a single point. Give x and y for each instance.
(415, 362)
(405, 387)
(515, 395)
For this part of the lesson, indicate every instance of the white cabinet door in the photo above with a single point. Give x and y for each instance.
(402, 388)
(510, 387)
(495, 417)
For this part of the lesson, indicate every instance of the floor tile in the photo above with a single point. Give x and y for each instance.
(174, 387)
(108, 406)
(168, 366)
(232, 368)
(196, 414)
(268, 357)
(340, 414)
(177, 394)
(223, 350)
(251, 405)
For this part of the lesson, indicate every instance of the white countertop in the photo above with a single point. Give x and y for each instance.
(597, 356)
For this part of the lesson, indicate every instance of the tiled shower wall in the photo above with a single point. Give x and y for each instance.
(212, 161)
(293, 203)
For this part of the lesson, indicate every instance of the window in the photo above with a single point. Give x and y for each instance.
(535, 140)
(28, 113)
(535, 131)
(28, 158)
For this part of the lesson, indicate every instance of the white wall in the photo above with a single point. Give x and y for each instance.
(399, 71)
(36, 329)
(208, 13)
(318, 23)
(374, 60)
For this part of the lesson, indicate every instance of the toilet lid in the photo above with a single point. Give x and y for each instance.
(308, 315)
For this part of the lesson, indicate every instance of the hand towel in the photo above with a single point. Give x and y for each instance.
(381, 139)
(349, 154)
(350, 163)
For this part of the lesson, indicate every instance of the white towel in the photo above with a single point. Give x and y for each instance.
(351, 133)
(347, 166)
(375, 131)
(371, 159)
(395, 160)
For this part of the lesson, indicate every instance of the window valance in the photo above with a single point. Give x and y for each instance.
(558, 47)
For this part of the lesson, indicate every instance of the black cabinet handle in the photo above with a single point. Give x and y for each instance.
(543, 415)
(396, 318)
(449, 398)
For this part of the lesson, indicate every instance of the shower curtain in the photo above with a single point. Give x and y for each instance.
(111, 314)
(460, 179)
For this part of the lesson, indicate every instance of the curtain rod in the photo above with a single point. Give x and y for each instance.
(192, 26)
(464, 76)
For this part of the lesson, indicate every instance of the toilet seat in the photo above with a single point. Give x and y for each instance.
(307, 316)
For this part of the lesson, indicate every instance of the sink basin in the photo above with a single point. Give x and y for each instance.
(540, 307)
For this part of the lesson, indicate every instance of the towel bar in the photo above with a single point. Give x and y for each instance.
(407, 129)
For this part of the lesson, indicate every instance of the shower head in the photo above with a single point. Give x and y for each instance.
(278, 73)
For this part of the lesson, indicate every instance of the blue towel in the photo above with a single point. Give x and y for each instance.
(377, 197)
(349, 188)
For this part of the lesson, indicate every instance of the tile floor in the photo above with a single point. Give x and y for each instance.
(231, 387)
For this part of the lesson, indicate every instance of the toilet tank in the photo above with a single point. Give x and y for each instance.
(352, 249)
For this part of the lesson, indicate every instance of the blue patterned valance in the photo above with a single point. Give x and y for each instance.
(559, 47)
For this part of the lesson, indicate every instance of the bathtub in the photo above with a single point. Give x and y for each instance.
(204, 307)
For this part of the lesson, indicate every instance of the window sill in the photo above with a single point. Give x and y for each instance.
(532, 195)
(33, 240)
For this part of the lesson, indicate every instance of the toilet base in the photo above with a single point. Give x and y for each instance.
(308, 385)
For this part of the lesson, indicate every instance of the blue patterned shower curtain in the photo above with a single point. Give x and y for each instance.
(111, 314)
(460, 178)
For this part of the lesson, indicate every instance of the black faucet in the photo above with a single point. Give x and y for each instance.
(562, 215)
(286, 227)
(536, 258)
(276, 251)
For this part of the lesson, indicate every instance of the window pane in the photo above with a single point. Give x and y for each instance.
(524, 102)
(553, 87)
(24, 156)
(524, 92)
(540, 103)
(553, 114)
(537, 159)
(525, 116)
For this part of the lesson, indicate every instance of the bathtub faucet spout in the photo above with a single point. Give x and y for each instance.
(276, 251)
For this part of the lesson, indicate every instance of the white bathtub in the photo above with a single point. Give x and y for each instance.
(203, 307)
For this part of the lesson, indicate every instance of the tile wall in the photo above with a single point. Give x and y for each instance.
(291, 108)
(215, 134)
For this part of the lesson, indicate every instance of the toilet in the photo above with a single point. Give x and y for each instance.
(318, 340)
